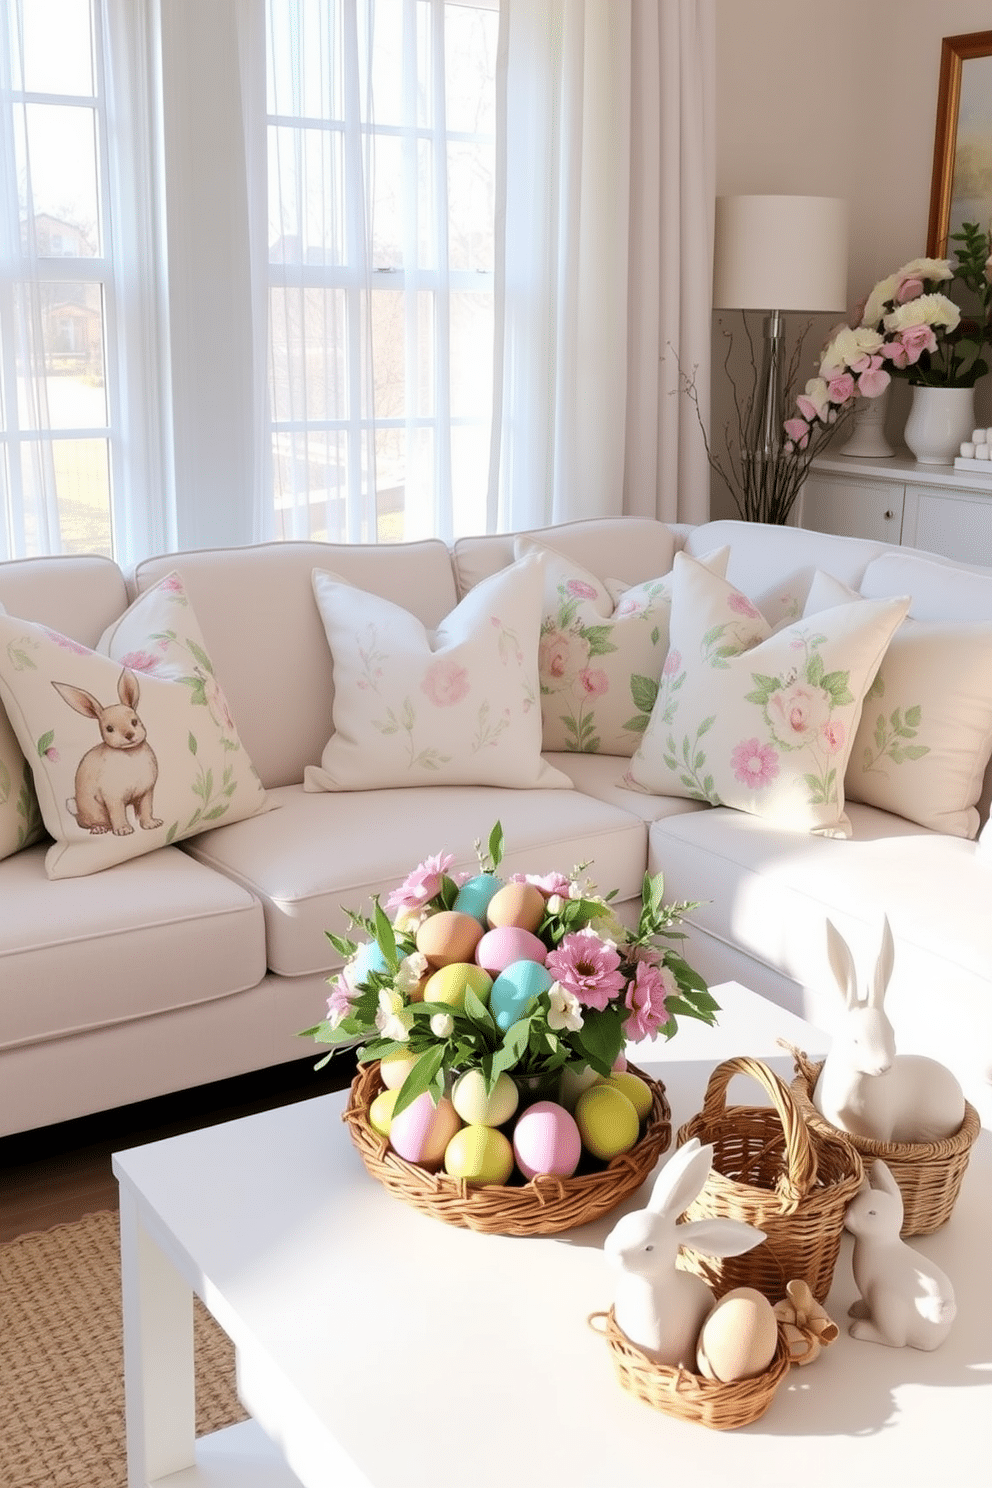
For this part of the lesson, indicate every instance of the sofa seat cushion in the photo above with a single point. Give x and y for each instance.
(599, 775)
(769, 891)
(320, 855)
(154, 934)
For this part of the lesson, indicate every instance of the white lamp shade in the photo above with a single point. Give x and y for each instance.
(780, 253)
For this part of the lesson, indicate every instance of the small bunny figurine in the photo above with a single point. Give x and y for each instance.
(864, 1087)
(658, 1307)
(905, 1300)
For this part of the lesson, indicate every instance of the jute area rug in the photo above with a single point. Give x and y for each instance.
(62, 1360)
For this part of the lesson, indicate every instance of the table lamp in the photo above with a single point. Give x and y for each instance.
(778, 253)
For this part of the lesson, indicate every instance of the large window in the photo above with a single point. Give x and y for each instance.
(56, 282)
(380, 187)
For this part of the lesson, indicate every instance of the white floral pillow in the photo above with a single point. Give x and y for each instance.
(758, 720)
(133, 745)
(925, 736)
(603, 644)
(20, 818)
(459, 706)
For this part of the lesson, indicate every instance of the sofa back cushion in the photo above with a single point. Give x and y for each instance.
(774, 566)
(631, 549)
(263, 631)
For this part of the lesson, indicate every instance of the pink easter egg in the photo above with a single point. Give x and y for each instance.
(546, 1140)
(499, 948)
(422, 1131)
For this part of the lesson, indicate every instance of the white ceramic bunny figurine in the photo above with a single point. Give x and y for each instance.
(864, 1087)
(658, 1307)
(905, 1300)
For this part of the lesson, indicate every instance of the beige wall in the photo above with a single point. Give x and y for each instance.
(836, 100)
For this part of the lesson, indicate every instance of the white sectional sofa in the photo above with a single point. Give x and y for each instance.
(201, 959)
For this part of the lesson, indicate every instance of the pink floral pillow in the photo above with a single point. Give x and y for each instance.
(603, 644)
(459, 706)
(759, 720)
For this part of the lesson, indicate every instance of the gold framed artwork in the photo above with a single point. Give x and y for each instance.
(961, 187)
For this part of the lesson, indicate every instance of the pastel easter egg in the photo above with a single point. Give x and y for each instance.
(381, 1111)
(546, 1139)
(450, 983)
(637, 1091)
(469, 1098)
(513, 990)
(475, 894)
(739, 1336)
(422, 1131)
(394, 1068)
(519, 904)
(499, 948)
(449, 936)
(479, 1154)
(367, 958)
(574, 1081)
(607, 1121)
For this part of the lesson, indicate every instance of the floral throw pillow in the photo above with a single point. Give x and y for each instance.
(457, 706)
(925, 736)
(758, 720)
(602, 648)
(133, 745)
(20, 818)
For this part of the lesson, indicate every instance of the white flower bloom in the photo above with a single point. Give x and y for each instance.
(408, 921)
(930, 309)
(877, 300)
(393, 1020)
(817, 393)
(555, 904)
(412, 970)
(565, 1010)
(442, 1025)
(608, 927)
(847, 347)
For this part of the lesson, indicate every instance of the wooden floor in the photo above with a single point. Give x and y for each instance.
(59, 1173)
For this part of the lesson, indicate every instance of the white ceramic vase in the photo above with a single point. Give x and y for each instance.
(940, 420)
(868, 441)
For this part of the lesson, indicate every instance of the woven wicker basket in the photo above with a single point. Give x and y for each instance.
(929, 1174)
(692, 1397)
(772, 1171)
(543, 1206)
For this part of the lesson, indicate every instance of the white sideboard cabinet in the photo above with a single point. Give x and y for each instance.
(933, 507)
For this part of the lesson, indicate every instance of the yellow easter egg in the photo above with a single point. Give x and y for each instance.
(479, 1154)
(469, 1098)
(394, 1068)
(637, 1091)
(449, 983)
(607, 1121)
(381, 1111)
(518, 904)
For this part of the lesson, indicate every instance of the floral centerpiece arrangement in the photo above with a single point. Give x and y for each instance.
(909, 328)
(473, 1002)
(606, 984)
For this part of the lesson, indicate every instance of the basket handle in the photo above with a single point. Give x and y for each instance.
(800, 1175)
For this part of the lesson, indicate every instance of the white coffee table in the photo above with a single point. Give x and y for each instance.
(380, 1347)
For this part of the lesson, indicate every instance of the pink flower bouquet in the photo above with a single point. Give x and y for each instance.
(524, 975)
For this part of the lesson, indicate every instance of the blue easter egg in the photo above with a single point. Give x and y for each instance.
(514, 988)
(475, 894)
(368, 958)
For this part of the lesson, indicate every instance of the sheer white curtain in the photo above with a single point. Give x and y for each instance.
(605, 183)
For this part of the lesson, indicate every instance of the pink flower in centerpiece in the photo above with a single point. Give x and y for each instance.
(548, 883)
(646, 999)
(754, 764)
(422, 884)
(798, 431)
(339, 1002)
(841, 387)
(445, 682)
(587, 967)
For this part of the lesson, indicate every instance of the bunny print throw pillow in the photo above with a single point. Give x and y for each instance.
(132, 745)
(456, 706)
(760, 720)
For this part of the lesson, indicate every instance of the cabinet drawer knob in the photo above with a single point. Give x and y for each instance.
(889, 515)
